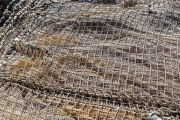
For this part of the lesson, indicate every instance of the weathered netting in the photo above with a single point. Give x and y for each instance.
(71, 60)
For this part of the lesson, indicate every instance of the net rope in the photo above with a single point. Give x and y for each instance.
(90, 59)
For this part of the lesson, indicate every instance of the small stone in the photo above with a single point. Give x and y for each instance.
(16, 39)
(31, 45)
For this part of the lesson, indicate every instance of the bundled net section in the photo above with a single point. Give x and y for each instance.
(77, 60)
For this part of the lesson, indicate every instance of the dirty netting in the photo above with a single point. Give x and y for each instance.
(76, 60)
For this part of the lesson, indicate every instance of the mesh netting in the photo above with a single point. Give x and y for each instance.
(90, 59)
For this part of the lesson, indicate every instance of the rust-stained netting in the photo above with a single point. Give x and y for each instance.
(90, 60)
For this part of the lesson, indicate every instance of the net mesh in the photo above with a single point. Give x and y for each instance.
(98, 59)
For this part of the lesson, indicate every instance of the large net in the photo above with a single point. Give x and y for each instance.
(90, 59)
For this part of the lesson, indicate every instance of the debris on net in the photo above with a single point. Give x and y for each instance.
(63, 59)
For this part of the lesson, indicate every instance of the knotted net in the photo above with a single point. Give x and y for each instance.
(68, 60)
